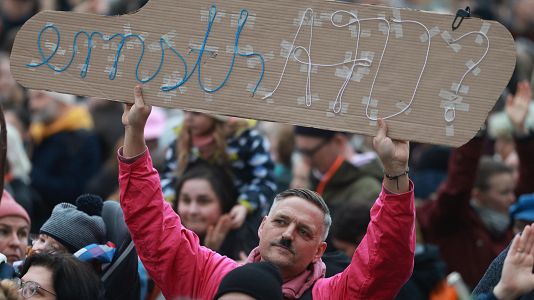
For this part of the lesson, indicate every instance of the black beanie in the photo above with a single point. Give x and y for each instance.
(261, 280)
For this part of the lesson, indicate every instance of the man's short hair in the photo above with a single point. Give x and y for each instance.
(311, 197)
(488, 168)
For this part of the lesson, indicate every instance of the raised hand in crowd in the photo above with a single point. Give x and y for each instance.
(238, 215)
(394, 155)
(517, 278)
(215, 235)
(134, 119)
(517, 106)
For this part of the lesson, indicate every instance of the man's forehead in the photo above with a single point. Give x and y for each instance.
(299, 209)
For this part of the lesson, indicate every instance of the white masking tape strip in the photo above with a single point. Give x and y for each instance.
(382, 25)
(324, 16)
(448, 38)
(338, 18)
(432, 32)
(457, 105)
(373, 114)
(50, 46)
(152, 47)
(253, 61)
(450, 96)
(402, 105)
(260, 92)
(365, 33)
(234, 20)
(363, 71)
(127, 28)
(344, 106)
(285, 48)
(307, 19)
(367, 55)
(372, 103)
(304, 68)
(204, 16)
(342, 72)
(397, 27)
(464, 89)
(484, 29)
(470, 64)
(302, 99)
(449, 130)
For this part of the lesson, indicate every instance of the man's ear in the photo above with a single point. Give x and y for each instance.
(320, 251)
(260, 229)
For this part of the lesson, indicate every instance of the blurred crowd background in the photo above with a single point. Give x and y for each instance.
(470, 199)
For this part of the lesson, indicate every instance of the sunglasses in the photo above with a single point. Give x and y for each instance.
(311, 152)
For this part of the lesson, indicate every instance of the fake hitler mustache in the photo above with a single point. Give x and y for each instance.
(284, 243)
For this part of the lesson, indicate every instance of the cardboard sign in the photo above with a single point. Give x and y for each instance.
(314, 63)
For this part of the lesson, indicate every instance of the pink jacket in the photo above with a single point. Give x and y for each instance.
(181, 267)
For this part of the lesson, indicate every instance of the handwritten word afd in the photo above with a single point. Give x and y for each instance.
(164, 44)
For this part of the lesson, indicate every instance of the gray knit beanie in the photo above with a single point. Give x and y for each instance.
(77, 226)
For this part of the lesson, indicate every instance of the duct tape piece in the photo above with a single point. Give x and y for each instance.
(449, 130)
(302, 99)
(251, 20)
(431, 32)
(470, 63)
(373, 114)
(304, 68)
(397, 27)
(448, 38)
(204, 16)
(402, 105)
(464, 89)
(484, 29)
(373, 103)
(285, 48)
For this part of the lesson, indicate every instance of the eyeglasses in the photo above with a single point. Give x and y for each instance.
(27, 289)
(311, 152)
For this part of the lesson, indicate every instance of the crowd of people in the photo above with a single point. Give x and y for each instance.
(110, 201)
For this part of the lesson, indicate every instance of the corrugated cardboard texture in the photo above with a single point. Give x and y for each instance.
(269, 30)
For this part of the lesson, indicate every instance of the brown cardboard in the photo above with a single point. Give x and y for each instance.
(268, 30)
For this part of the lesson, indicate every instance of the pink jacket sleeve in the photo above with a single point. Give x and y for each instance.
(384, 259)
(171, 253)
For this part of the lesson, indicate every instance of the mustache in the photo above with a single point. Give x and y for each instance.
(285, 243)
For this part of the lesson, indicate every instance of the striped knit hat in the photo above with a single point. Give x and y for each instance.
(77, 226)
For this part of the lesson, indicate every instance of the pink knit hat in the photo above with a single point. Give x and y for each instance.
(10, 208)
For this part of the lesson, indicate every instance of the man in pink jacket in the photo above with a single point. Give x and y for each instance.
(292, 235)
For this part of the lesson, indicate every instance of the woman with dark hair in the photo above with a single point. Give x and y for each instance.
(231, 143)
(205, 197)
(59, 276)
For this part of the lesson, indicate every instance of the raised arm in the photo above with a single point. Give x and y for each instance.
(171, 253)
(384, 259)
(517, 108)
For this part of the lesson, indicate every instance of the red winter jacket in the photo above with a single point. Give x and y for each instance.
(181, 267)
